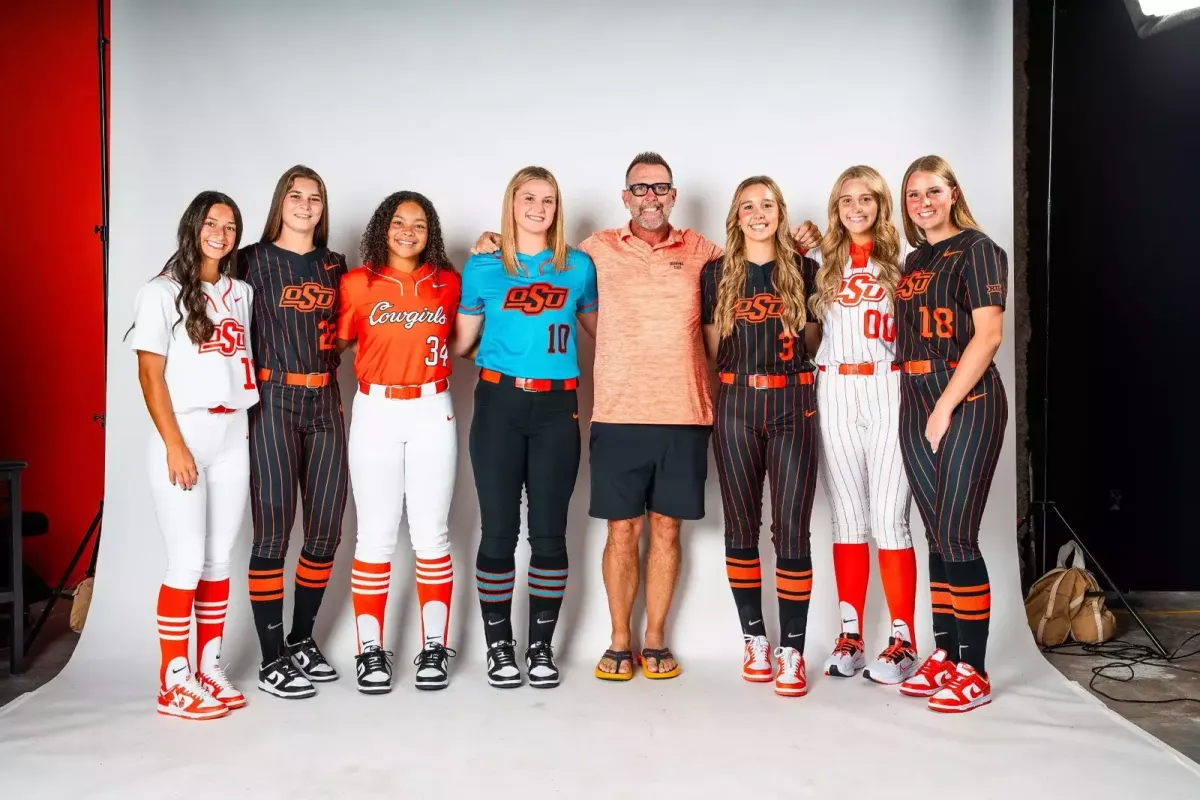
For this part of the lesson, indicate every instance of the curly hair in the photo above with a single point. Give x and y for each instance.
(835, 247)
(373, 248)
(184, 264)
(788, 279)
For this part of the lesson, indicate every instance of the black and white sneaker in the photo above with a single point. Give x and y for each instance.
(283, 679)
(502, 670)
(539, 662)
(432, 665)
(374, 667)
(309, 659)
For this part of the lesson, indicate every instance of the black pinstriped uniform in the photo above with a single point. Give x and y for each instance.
(940, 287)
(764, 431)
(297, 434)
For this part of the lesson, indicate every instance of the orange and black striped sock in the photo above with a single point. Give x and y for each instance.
(744, 570)
(793, 586)
(312, 576)
(971, 595)
(265, 580)
(945, 629)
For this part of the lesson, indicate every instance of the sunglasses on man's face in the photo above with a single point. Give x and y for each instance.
(640, 189)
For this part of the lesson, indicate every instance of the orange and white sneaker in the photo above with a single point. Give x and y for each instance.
(931, 677)
(216, 683)
(847, 657)
(189, 700)
(756, 659)
(966, 690)
(895, 665)
(791, 680)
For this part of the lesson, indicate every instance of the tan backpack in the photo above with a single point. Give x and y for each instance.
(1067, 603)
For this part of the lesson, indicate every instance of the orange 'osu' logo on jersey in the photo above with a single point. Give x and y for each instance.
(758, 308)
(912, 284)
(535, 298)
(860, 287)
(228, 337)
(307, 296)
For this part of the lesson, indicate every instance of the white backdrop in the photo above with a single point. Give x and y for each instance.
(450, 99)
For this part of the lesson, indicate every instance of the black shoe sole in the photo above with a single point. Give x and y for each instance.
(318, 678)
(505, 683)
(286, 695)
(429, 687)
(544, 683)
(374, 689)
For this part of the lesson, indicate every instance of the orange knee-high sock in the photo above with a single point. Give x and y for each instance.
(852, 567)
(898, 569)
(435, 587)
(369, 585)
(174, 630)
(212, 600)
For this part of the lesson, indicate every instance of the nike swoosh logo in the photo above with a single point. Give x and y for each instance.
(449, 418)
(497, 622)
(754, 622)
(237, 299)
(178, 670)
(949, 253)
(808, 414)
(971, 398)
(276, 625)
(795, 635)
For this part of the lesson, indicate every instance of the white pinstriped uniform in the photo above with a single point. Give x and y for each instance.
(863, 469)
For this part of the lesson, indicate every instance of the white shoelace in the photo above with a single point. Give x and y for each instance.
(789, 659)
(758, 649)
(218, 677)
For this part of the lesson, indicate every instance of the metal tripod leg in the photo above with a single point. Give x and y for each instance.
(66, 576)
(1094, 564)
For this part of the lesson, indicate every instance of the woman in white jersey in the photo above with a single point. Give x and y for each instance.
(191, 333)
(858, 394)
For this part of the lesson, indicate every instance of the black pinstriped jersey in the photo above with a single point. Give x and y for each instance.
(758, 345)
(940, 286)
(295, 306)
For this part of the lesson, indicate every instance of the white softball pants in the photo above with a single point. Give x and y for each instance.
(200, 525)
(402, 452)
(863, 468)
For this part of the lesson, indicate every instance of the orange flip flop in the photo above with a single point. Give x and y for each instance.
(658, 655)
(617, 656)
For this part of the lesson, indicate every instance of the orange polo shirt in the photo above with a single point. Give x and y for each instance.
(650, 363)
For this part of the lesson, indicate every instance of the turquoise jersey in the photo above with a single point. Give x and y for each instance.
(529, 318)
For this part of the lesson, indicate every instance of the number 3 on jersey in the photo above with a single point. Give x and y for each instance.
(437, 352)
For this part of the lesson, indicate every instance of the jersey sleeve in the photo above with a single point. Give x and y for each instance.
(708, 292)
(471, 302)
(589, 300)
(153, 315)
(808, 268)
(347, 322)
(242, 269)
(985, 274)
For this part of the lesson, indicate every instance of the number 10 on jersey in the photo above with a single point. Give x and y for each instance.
(560, 338)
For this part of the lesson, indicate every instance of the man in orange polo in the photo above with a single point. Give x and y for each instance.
(653, 410)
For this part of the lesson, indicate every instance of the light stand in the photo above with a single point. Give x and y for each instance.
(1046, 506)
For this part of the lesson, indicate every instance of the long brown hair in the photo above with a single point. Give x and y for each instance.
(835, 246)
(556, 236)
(960, 213)
(274, 224)
(789, 280)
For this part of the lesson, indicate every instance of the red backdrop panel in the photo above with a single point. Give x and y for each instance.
(53, 270)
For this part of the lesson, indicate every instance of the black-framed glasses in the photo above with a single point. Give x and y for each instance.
(640, 189)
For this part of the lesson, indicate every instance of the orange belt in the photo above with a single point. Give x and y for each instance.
(404, 392)
(222, 410)
(859, 369)
(925, 367)
(529, 384)
(313, 380)
(768, 381)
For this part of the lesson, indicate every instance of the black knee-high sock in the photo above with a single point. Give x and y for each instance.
(312, 576)
(265, 579)
(793, 585)
(945, 630)
(971, 595)
(744, 570)
(494, 579)
(547, 585)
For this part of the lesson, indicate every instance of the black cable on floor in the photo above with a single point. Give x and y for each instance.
(1129, 656)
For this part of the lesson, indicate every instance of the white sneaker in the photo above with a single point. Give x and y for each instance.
(189, 700)
(894, 665)
(756, 658)
(847, 657)
(791, 680)
(217, 683)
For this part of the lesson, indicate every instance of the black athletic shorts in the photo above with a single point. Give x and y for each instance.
(640, 468)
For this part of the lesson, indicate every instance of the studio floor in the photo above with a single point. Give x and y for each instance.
(1171, 616)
